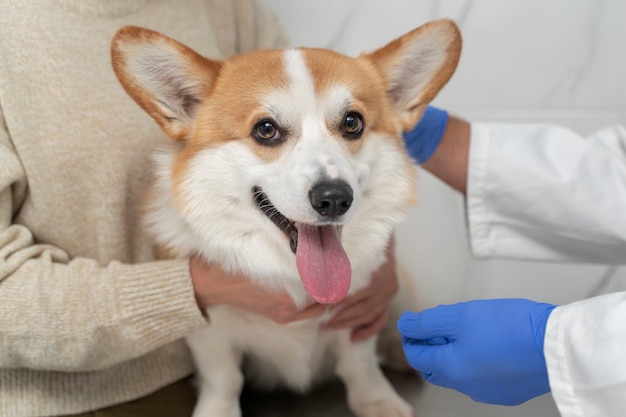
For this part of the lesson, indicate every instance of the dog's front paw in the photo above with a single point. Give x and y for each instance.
(384, 407)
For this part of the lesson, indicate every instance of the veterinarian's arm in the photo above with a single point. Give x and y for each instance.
(440, 144)
(508, 351)
(537, 192)
(58, 313)
(450, 160)
(544, 192)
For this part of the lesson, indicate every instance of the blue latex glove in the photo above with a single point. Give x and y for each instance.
(491, 350)
(422, 141)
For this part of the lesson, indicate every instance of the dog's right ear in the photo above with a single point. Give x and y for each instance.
(166, 78)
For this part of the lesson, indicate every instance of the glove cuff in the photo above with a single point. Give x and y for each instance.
(540, 322)
(422, 141)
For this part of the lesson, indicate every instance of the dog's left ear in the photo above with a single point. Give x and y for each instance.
(166, 78)
(417, 65)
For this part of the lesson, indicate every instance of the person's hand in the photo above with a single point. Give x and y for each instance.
(422, 141)
(367, 310)
(491, 350)
(213, 286)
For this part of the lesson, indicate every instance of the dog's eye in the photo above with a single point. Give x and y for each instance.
(353, 125)
(266, 133)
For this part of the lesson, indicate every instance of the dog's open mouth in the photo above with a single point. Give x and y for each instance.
(287, 226)
(323, 264)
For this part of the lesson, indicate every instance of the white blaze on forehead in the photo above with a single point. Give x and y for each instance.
(310, 109)
(300, 78)
(308, 112)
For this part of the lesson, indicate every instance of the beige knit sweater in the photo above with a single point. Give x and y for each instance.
(88, 318)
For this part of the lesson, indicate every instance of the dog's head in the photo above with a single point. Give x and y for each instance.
(302, 146)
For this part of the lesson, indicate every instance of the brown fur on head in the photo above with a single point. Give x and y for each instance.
(170, 81)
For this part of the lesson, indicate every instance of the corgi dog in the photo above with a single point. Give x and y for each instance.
(289, 167)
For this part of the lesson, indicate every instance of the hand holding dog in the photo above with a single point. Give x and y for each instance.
(214, 286)
(366, 311)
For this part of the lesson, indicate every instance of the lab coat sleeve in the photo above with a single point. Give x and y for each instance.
(543, 192)
(585, 350)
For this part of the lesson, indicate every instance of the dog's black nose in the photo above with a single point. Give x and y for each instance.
(331, 198)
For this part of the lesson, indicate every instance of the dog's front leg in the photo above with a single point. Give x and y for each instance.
(369, 392)
(218, 373)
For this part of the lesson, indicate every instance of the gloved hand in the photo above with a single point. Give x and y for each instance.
(491, 350)
(422, 141)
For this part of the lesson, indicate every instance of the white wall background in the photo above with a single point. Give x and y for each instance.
(558, 61)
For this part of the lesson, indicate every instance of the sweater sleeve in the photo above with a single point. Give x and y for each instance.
(543, 192)
(58, 313)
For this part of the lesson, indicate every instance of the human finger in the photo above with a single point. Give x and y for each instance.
(361, 307)
(356, 300)
(420, 357)
(313, 310)
(368, 330)
(359, 314)
(428, 324)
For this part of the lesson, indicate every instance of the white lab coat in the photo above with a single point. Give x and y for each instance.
(545, 193)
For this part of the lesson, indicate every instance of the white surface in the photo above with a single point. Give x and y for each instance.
(440, 402)
(428, 401)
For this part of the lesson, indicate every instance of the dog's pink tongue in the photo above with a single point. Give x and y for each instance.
(323, 264)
